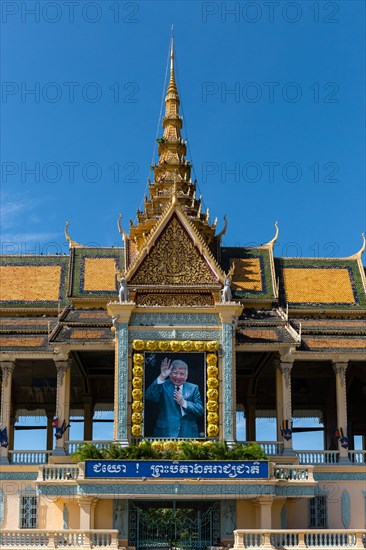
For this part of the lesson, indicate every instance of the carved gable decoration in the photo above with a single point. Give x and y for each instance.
(174, 260)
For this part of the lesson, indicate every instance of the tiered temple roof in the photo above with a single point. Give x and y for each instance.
(173, 257)
(172, 175)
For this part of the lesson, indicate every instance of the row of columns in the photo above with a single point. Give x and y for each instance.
(284, 403)
(283, 391)
(62, 409)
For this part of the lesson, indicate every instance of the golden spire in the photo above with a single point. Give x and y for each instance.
(172, 172)
(172, 91)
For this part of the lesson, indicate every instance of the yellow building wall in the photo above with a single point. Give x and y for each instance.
(103, 514)
(245, 514)
(357, 508)
(73, 509)
(11, 518)
(276, 513)
(297, 513)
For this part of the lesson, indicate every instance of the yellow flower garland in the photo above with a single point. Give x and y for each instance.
(212, 383)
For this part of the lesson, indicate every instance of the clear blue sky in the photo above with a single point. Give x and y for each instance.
(294, 128)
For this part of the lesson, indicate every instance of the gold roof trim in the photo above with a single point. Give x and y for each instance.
(272, 241)
(269, 246)
(223, 230)
(72, 243)
(361, 251)
(199, 242)
(358, 258)
(121, 231)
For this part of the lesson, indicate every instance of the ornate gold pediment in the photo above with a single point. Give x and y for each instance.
(174, 260)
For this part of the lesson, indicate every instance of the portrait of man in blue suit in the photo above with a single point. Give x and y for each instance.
(180, 403)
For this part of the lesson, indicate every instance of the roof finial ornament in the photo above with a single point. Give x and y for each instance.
(223, 230)
(361, 251)
(120, 228)
(72, 243)
(272, 241)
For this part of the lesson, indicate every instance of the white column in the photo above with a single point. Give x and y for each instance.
(121, 312)
(7, 368)
(340, 369)
(87, 505)
(264, 515)
(229, 314)
(62, 402)
(284, 401)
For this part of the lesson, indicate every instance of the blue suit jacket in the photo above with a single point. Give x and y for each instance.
(170, 421)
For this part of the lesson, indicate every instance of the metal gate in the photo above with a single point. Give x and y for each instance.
(178, 524)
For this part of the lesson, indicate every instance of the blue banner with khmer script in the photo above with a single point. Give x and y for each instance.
(164, 469)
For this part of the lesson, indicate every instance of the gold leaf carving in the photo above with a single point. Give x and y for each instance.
(174, 299)
(174, 260)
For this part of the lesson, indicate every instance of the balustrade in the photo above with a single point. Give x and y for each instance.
(72, 446)
(269, 447)
(69, 538)
(357, 457)
(299, 538)
(293, 473)
(59, 473)
(29, 457)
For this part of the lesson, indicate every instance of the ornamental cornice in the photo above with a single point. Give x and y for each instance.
(7, 369)
(175, 334)
(229, 311)
(61, 369)
(340, 369)
(120, 312)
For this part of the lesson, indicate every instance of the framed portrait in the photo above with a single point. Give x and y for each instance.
(176, 407)
(175, 391)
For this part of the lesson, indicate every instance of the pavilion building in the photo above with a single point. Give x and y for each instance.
(289, 341)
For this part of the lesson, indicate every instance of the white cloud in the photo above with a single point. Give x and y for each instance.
(18, 211)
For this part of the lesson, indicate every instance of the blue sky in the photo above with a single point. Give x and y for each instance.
(273, 104)
(287, 144)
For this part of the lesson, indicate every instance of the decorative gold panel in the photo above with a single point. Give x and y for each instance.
(349, 343)
(22, 341)
(154, 299)
(85, 334)
(247, 274)
(30, 283)
(174, 260)
(99, 274)
(318, 285)
(264, 334)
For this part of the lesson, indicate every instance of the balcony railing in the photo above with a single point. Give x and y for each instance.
(72, 446)
(94, 538)
(285, 472)
(271, 448)
(299, 538)
(293, 473)
(317, 457)
(329, 457)
(29, 457)
(357, 457)
(58, 473)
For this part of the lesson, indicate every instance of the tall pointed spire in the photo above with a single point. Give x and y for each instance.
(172, 92)
(172, 173)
